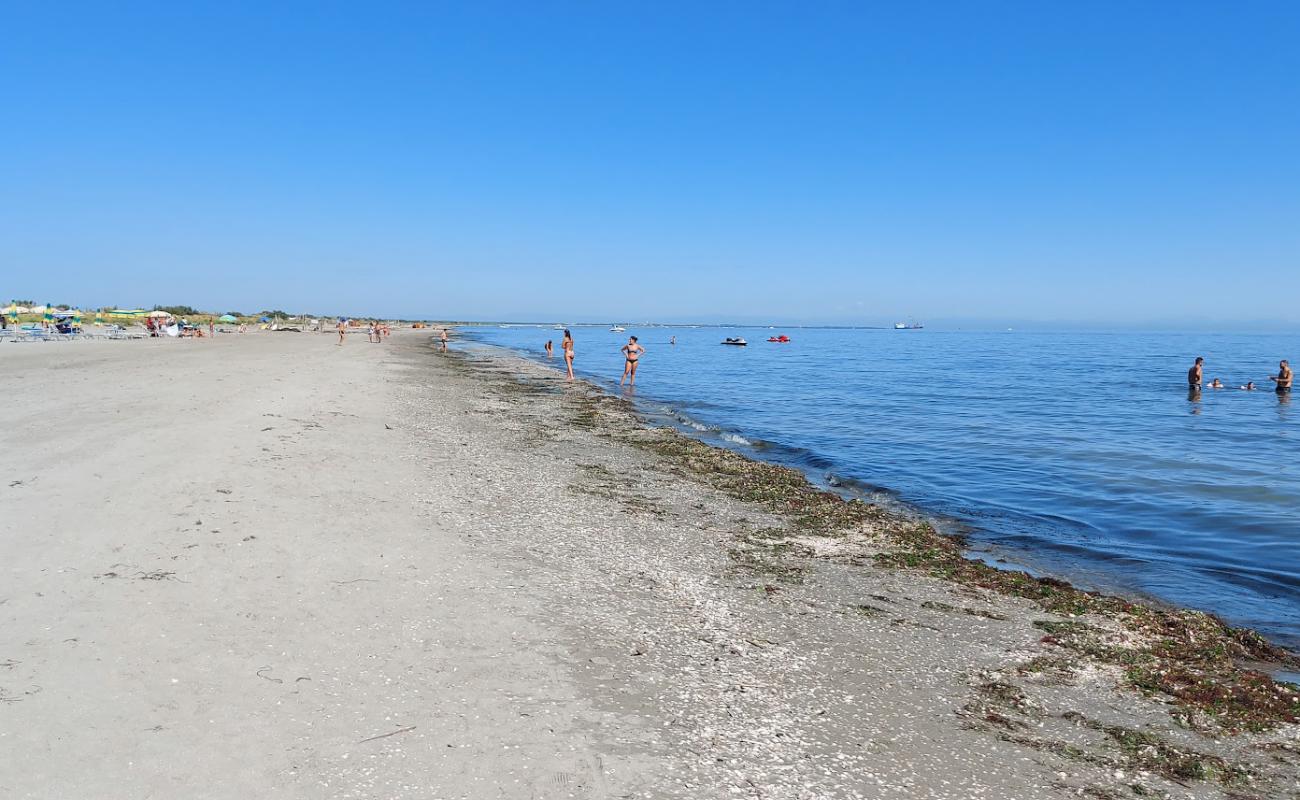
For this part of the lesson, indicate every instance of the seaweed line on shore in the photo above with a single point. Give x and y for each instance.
(1205, 672)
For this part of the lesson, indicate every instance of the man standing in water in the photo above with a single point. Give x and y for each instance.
(1283, 377)
(632, 351)
(442, 339)
(1195, 373)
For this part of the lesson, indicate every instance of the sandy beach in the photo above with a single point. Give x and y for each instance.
(268, 566)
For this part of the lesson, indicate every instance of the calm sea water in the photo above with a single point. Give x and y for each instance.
(1078, 454)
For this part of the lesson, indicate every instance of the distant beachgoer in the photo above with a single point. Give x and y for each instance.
(442, 340)
(673, 341)
(632, 352)
(1283, 377)
(1249, 387)
(550, 349)
(566, 344)
(1194, 375)
(212, 330)
(1216, 384)
(342, 329)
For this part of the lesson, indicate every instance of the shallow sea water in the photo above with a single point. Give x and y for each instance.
(1078, 454)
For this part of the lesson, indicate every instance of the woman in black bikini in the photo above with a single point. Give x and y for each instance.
(632, 351)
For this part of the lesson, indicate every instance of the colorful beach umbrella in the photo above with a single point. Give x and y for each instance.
(226, 318)
(99, 317)
(49, 313)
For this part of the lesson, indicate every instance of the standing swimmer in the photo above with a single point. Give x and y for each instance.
(1283, 377)
(550, 349)
(1195, 374)
(442, 339)
(632, 352)
(566, 345)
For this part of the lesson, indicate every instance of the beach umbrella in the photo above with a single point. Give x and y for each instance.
(99, 317)
(159, 314)
(226, 318)
(76, 316)
(48, 316)
(13, 311)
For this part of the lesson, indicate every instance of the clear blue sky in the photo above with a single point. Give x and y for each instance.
(844, 162)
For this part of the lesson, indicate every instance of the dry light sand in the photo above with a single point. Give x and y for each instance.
(265, 566)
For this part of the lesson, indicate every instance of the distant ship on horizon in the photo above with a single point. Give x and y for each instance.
(908, 326)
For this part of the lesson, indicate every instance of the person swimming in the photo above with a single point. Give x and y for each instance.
(1249, 387)
(1216, 384)
(632, 352)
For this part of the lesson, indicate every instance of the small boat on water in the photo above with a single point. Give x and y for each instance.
(908, 326)
(617, 329)
(783, 339)
(738, 342)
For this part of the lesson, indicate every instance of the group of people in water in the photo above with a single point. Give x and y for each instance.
(1196, 376)
(632, 352)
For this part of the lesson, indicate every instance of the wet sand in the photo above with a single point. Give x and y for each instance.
(268, 566)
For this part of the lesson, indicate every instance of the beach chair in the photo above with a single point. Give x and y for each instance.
(33, 333)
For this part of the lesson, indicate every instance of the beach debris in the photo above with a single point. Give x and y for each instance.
(267, 677)
(406, 729)
(1193, 658)
(158, 575)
